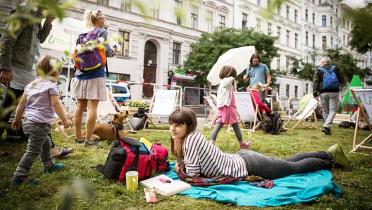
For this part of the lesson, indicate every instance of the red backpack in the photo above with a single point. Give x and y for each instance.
(131, 155)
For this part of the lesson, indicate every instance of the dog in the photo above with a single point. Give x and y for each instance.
(112, 131)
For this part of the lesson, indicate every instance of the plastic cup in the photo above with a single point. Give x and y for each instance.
(131, 179)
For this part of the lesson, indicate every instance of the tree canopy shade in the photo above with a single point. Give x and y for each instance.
(361, 36)
(210, 46)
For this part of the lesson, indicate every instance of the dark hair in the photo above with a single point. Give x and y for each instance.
(227, 71)
(184, 116)
(255, 55)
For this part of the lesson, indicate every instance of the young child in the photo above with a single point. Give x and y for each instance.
(226, 112)
(39, 102)
(255, 94)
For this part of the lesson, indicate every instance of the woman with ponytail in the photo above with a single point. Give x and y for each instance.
(90, 86)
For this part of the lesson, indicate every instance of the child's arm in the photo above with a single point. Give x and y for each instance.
(16, 124)
(58, 108)
(227, 81)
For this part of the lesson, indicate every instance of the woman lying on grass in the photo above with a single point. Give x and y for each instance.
(196, 156)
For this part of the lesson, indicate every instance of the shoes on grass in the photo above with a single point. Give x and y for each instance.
(55, 167)
(339, 156)
(19, 180)
(326, 131)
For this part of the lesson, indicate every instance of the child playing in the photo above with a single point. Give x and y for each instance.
(39, 102)
(226, 112)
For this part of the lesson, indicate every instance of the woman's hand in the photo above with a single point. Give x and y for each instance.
(176, 168)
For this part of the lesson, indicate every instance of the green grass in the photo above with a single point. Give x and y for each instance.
(357, 184)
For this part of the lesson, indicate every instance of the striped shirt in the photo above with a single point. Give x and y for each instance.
(202, 158)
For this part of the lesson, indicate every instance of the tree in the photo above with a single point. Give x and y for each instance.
(211, 45)
(344, 62)
(361, 36)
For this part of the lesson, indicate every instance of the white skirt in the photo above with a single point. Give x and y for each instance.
(91, 89)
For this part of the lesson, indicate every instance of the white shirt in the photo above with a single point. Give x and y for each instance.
(223, 93)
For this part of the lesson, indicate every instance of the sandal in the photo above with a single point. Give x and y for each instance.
(64, 152)
(79, 141)
(245, 145)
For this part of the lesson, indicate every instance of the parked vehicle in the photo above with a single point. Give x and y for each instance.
(120, 92)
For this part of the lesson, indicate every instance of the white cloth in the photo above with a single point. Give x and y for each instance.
(223, 93)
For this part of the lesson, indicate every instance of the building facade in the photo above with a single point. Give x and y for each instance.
(158, 40)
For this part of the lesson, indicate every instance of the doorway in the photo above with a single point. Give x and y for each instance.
(149, 70)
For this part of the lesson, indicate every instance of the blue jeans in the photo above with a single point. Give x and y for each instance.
(329, 103)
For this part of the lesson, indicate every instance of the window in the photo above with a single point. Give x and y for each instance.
(296, 91)
(244, 21)
(155, 11)
(194, 18)
(176, 53)
(343, 39)
(279, 8)
(295, 15)
(178, 16)
(268, 3)
(331, 42)
(258, 22)
(324, 42)
(278, 29)
(209, 21)
(324, 20)
(222, 21)
(331, 23)
(336, 12)
(278, 63)
(313, 18)
(258, 3)
(287, 63)
(306, 38)
(296, 40)
(313, 40)
(306, 88)
(269, 28)
(313, 61)
(124, 43)
(287, 37)
(306, 14)
(119, 89)
(287, 12)
(287, 91)
(127, 5)
(103, 2)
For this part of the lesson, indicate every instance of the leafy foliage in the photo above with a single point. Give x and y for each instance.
(361, 36)
(211, 45)
(344, 61)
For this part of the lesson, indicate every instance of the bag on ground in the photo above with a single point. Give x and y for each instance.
(131, 155)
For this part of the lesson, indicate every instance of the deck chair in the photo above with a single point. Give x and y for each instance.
(163, 103)
(212, 112)
(363, 98)
(106, 109)
(247, 111)
(302, 115)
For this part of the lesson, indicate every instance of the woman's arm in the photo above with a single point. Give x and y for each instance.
(192, 152)
(19, 112)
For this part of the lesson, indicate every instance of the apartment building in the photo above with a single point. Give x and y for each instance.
(159, 41)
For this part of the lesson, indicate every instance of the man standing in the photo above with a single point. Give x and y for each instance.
(258, 73)
(17, 54)
(326, 84)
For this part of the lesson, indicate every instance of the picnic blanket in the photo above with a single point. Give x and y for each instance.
(299, 188)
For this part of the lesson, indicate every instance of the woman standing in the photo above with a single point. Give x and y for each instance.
(198, 157)
(90, 85)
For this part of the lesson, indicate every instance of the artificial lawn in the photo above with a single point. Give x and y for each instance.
(79, 185)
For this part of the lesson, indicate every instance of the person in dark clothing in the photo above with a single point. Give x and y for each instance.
(327, 81)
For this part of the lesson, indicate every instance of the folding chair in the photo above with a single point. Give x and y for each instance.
(301, 115)
(247, 111)
(106, 109)
(212, 112)
(363, 98)
(163, 103)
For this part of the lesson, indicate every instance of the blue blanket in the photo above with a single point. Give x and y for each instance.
(292, 189)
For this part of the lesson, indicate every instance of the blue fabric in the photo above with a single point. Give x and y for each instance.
(91, 74)
(257, 74)
(292, 189)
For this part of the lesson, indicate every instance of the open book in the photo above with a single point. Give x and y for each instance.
(167, 186)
